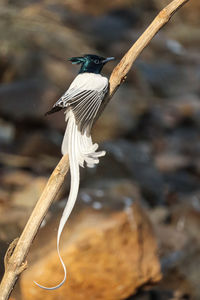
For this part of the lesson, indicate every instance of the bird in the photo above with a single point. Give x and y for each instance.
(81, 102)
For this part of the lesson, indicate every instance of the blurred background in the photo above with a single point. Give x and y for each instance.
(134, 233)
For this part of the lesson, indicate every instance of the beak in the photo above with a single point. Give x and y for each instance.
(107, 59)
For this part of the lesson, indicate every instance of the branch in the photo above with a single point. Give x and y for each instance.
(18, 250)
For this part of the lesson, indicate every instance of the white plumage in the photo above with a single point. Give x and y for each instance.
(84, 97)
(88, 81)
(82, 101)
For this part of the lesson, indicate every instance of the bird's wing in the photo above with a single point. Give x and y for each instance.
(85, 106)
(84, 98)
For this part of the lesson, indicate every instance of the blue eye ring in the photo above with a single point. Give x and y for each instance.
(96, 61)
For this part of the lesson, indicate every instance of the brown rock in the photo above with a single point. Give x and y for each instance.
(117, 119)
(12, 222)
(21, 161)
(169, 162)
(108, 256)
(27, 99)
(27, 197)
(4, 196)
(186, 217)
(19, 194)
(95, 7)
(191, 12)
(17, 179)
(37, 145)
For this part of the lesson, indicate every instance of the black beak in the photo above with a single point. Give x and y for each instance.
(107, 59)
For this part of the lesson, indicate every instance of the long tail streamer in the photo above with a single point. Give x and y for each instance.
(81, 150)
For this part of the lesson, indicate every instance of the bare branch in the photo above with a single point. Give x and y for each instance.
(16, 255)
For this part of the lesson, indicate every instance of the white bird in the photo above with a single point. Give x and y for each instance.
(82, 102)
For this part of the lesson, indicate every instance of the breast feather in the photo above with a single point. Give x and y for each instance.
(89, 81)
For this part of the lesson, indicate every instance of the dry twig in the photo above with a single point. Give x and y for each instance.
(17, 252)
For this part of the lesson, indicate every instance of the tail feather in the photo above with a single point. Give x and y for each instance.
(80, 149)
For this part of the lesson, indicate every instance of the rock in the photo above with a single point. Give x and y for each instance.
(158, 215)
(190, 12)
(184, 274)
(186, 108)
(41, 164)
(137, 159)
(40, 144)
(108, 253)
(95, 7)
(33, 28)
(27, 99)
(28, 197)
(181, 182)
(7, 132)
(186, 217)
(16, 179)
(169, 162)
(130, 161)
(4, 196)
(178, 240)
(111, 27)
(117, 119)
(37, 45)
(12, 226)
(20, 191)
(59, 72)
(165, 79)
(121, 194)
(154, 294)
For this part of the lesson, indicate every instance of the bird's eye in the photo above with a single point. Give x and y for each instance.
(96, 61)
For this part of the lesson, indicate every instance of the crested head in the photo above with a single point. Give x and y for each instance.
(90, 63)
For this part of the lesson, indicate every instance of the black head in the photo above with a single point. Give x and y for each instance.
(90, 63)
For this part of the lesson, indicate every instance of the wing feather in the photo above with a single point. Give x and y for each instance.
(82, 115)
(84, 102)
(85, 108)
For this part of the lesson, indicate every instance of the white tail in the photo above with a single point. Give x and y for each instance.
(80, 149)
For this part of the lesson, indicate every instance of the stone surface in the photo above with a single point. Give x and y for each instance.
(109, 254)
(138, 160)
(25, 97)
(95, 7)
(28, 196)
(18, 194)
(117, 119)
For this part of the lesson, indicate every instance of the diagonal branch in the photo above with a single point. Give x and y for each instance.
(17, 252)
